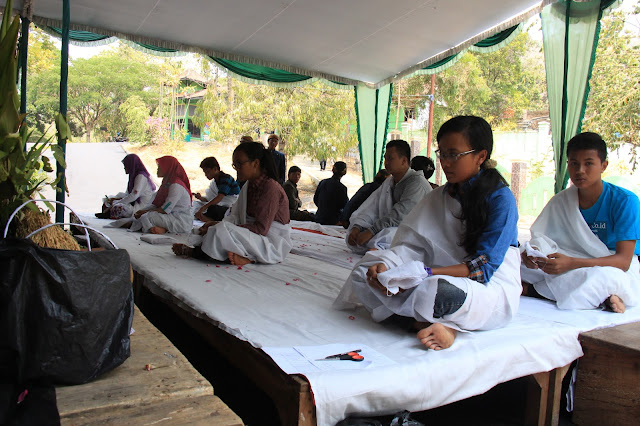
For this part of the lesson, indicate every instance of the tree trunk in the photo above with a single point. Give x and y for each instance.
(230, 94)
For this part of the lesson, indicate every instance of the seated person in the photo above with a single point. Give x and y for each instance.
(375, 223)
(331, 196)
(363, 193)
(455, 257)
(291, 189)
(139, 191)
(221, 194)
(257, 227)
(171, 207)
(587, 236)
(424, 164)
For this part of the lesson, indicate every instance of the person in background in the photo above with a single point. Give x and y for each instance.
(139, 191)
(278, 158)
(363, 193)
(291, 189)
(374, 224)
(424, 164)
(331, 196)
(221, 194)
(171, 207)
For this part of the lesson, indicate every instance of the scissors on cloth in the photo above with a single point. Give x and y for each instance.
(346, 356)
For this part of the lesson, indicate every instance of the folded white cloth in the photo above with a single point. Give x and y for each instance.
(157, 239)
(409, 276)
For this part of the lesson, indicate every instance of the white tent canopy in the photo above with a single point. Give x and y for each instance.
(349, 41)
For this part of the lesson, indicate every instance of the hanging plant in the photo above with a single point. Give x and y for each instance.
(20, 179)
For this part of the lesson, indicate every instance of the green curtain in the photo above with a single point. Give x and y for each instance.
(80, 36)
(570, 35)
(258, 72)
(372, 111)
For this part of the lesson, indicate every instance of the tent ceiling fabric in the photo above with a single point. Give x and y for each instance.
(350, 41)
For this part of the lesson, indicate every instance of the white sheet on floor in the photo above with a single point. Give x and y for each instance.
(289, 304)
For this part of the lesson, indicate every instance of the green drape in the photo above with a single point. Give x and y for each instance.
(570, 36)
(372, 111)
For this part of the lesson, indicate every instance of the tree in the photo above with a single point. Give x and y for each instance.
(613, 108)
(486, 84)
(315, 120)
(44, 56)
(136, 113)
(97, 87)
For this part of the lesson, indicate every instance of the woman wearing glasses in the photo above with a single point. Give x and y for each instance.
(454, 263)
(257, 227)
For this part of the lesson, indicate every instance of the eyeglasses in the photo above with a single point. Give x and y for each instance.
(452, 157)
(239, 164)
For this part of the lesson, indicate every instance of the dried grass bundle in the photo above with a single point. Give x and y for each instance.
(53, 237)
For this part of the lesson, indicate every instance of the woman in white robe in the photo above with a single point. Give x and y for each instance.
(171, 207)
(257, 228)
(454, 262)
(139, 193)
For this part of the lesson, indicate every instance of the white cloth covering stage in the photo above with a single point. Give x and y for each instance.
(289, 304)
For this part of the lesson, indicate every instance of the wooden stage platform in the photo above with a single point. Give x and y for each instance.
(291, 394)
(171, 392)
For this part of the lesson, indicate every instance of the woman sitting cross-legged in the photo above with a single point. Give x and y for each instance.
(171, 208)
(454, 262)
(139, 191)
(257, 227)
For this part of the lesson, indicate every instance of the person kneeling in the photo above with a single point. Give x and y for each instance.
(257, 227)
(454, 261)
(584, 245)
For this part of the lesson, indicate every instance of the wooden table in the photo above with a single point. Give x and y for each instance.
(608, 383)
(172, 392)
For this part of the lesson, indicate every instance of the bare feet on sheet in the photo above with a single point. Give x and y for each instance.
(157, 230)
(236, 259)
(182, 250)
(437, 336)
(615, 304)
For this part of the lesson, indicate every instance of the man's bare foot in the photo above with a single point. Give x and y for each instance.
(157, 230)
(437, 336)
(238, 260)
(615, 304)
(182, 250)
(419, 325)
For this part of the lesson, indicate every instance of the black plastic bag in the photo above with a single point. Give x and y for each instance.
(65, 315)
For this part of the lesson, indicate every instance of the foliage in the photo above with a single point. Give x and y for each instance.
(158, 129)
(96, 89)
(315, 120)
(498, 86)
(613, 108)
(135, 113)
(18, 167)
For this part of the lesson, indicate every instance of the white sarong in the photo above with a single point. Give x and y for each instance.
(226, 236)
(430, 235)
(561, 228)
(379, 204)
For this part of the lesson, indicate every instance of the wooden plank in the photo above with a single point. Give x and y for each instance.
(543, 397)
(171, 378)
(608, 381)
(200, 410)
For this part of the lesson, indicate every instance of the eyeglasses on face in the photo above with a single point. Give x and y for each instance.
(237, 165)
(452, 157)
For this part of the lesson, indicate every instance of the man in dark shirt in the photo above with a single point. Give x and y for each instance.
(291, 189)
(331, 196)
(278, 157)
(360, 196)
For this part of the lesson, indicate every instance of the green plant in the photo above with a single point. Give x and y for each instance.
(19, 167)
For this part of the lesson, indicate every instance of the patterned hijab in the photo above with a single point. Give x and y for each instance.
(173, 173)
(135, 167)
